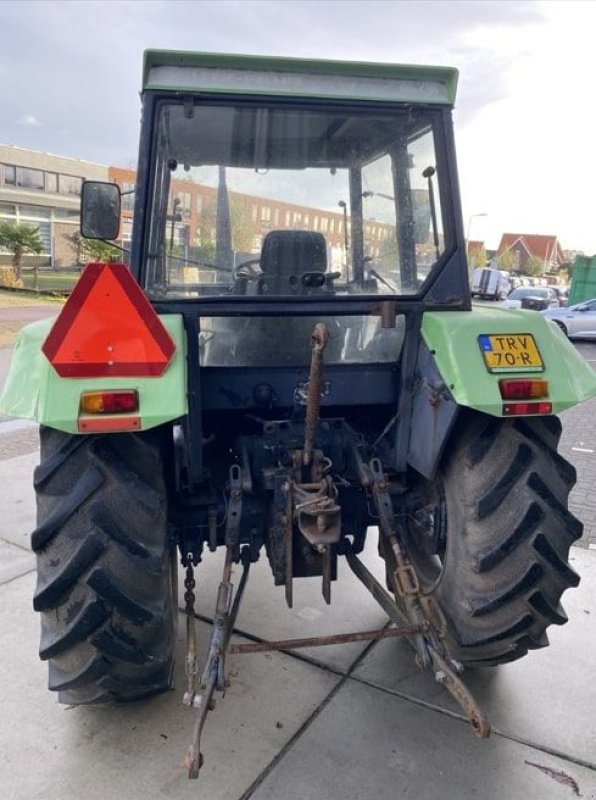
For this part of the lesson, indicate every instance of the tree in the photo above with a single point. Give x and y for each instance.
(243, 228)
(93, 249)
(509, 261)
(19, 240)
(476, 257)
(534, 267)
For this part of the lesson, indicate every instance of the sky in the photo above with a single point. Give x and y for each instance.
(525, 117)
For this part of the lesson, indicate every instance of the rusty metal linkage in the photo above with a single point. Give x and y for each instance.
(321, 641)
(412, 605)
(320, 337)
(214, 672)
(318, 517)
(288, 528)
(312, 507)
(446, 676)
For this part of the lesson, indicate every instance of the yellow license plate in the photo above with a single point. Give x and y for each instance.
(511, 352)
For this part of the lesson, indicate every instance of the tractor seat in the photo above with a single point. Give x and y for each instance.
(294, 262)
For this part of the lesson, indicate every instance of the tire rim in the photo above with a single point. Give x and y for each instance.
(425, 533)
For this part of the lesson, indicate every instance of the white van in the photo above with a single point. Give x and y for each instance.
(490, 284)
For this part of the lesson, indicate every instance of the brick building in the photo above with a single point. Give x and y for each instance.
(251, 218)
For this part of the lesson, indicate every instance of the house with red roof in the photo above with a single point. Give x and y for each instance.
(532, 245)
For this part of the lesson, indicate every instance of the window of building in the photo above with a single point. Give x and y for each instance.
(71, 215)
(35, 212)
(128, 196)
(30, 178)
(68, 184)
(126, 230)
(7, 210)
(276, 217)
(180, 235)
(324, 224)
(10, 175)
(288, 218)
(265, 214)
(331, 226)
(51, 182)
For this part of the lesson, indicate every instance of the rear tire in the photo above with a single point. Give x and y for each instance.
(105, 567)
(491, 544)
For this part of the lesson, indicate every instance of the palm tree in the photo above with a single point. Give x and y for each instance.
(19, 240)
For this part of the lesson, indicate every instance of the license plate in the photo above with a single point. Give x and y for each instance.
(512, 352)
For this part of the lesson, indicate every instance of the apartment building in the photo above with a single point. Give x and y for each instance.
(251, 217)
(44, 190)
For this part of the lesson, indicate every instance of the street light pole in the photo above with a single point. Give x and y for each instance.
(481, 214)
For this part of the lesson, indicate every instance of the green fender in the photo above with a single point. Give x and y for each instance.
(34, 390)
(452, 338)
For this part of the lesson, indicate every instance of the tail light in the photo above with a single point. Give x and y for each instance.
(521, 409)
(122, 401)
(516, 389)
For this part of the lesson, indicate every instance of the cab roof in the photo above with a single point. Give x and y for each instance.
(217, 73)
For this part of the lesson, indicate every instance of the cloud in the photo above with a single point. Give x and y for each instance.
(91, 77)
(523, 122)
(29, 121)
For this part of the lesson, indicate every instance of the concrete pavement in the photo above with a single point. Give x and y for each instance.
(351, 721)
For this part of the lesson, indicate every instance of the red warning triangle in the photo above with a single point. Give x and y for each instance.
(108, 328)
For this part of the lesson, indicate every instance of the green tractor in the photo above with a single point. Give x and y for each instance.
(289, 361)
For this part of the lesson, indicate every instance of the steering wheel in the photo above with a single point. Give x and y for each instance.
(248, 269)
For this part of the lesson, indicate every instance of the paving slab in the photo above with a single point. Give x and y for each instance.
(18, 498)
(368, 744)
(136, 751)
(14, 561)
(547, 697)
(264, 613)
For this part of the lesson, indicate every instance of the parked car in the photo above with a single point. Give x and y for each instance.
(562, 295)
(536, 298)
(577, 322)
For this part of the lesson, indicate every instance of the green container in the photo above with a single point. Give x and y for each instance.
(583, 280)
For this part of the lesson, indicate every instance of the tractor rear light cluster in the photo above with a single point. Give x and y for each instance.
(516, 389)
(121, 401)
(521, 409)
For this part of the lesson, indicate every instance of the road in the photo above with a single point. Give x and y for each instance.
(353, 721)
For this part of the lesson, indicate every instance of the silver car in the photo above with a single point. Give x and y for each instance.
(576, 321)
(535, 298)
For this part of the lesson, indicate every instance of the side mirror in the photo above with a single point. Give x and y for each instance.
(100, 210)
